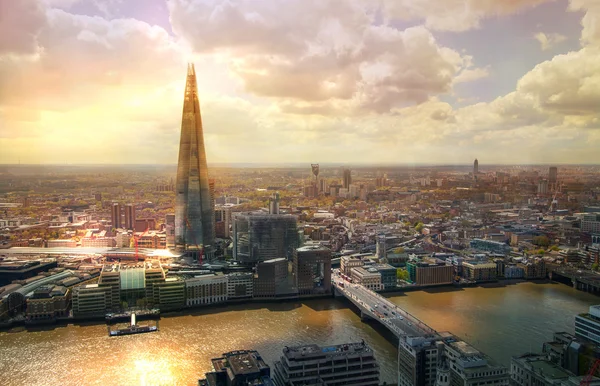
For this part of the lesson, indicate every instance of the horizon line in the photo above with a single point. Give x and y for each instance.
(295, 164)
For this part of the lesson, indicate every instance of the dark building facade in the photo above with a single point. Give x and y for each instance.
(194, 208)
(313, 270)
(259, 237)
(347, 178)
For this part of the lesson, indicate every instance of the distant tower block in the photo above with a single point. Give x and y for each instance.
(274, 204)
(381, 249)
(315, 172)
(475, 166)
(553, 177)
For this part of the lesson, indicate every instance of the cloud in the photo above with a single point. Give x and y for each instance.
(20, 25)
(311, 79)
(322, 57)
(453, 15)
(590, 21)
(567, 84)
(89, 59)
(547, 41)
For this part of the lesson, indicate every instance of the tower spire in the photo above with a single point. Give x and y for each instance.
(194, 224)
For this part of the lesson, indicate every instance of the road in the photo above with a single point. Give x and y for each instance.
(379, 308)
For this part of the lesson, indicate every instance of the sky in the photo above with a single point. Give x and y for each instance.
(292, 81)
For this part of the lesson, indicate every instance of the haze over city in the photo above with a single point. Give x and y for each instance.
(342, 81)
(300, 192)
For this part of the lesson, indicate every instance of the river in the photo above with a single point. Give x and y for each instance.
(499, 320)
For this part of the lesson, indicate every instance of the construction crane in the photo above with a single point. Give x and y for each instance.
(135, 240)
(588, 378)
(201, 250)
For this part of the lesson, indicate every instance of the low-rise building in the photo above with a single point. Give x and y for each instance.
(490, 246)
(367, 277)
(587, 326)
(430, 272)
(48, 303)
(537, 370)
(479, 271)
(513, 271)
(61, 243)
(238, 368)
(344, 364)
(206, 289)
(240, 285)
(349, 262)
(91, 300)
(169, 294)
(389, 277)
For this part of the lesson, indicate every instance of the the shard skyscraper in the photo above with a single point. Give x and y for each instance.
(194, 209)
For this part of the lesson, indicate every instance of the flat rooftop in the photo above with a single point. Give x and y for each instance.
(313, 350)
(240, 362)
(549, 369)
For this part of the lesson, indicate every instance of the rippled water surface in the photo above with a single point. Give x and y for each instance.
(501, 321)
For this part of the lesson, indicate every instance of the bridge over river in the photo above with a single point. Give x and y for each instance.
(376, 307)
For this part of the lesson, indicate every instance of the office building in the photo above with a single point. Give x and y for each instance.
(367, 277)
(543, 187)
(349, 262)
(238, 368)
(310, 191)
(347, 179)
(553, 177)
(590, 223)
(115, 212)
(259, 237)
(490, 246)
(313, 270)
(469, 366)
(205, 290)
(224, 220)
(344, 364)
(194, 208)
(49, 302)
(421, 357)
(144, 224)
(534, 269)
(380, 248)
(123, 216)
(91, 300)
(535, 370)
(111, 278)
(274, 279)
(170, 230)
(587, 326)
(153, 274)
(240, 285)
(129, 216)
(475, 167)
(568, 351)
(430, 272)
(389, 277)
(479, 271)
(169, 294)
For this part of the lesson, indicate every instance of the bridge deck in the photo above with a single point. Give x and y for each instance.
(377, 307)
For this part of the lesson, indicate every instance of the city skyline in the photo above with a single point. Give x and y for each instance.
(394, 83)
